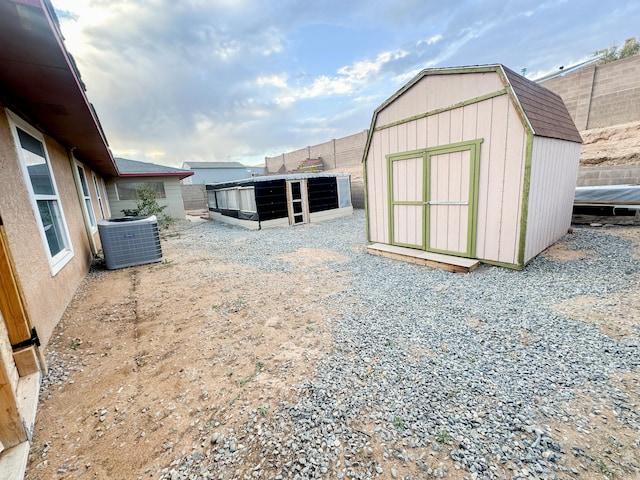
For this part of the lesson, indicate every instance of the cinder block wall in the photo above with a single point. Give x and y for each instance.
(336, 153)
(614, 175)
(601, 95)
(194, 197)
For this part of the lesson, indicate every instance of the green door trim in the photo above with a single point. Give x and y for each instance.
(473, 146)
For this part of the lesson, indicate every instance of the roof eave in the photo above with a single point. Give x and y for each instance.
(180, 175)
(41, 84)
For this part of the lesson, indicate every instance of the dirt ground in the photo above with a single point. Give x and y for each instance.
(593, 423)
(146, 357)
(151, 362)
(609, 146)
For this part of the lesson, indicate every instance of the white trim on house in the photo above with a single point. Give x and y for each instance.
(106, 196)
(96, 187)
(58, 260)
(83, 190)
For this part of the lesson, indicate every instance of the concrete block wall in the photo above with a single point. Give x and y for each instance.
(194, 197)
(601, 95)
(340, 152)
(336, 153)
(614, 175)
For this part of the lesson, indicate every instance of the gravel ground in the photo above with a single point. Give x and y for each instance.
(457, 375)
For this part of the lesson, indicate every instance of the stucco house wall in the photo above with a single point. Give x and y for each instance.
(46, 294)
(173, 195)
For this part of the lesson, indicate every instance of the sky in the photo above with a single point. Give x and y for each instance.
(175, 81)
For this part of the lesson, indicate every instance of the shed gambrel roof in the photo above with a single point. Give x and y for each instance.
(542, 110)
(134, 168)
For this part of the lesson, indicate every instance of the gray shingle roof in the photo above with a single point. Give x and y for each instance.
(128, 167)
(547, 113)
(198, 165)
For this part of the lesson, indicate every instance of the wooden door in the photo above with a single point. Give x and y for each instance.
(407, 201)
(432, 198)
(448, 202)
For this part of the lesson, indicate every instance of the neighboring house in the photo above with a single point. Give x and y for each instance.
(164, 181)
(257, 170)
(53, 159)
(474, 162)
(215, 172)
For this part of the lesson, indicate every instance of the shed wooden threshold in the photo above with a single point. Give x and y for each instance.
(420, 257)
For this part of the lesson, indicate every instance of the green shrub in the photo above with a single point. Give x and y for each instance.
(147, 205)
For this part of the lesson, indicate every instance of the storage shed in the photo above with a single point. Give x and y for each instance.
(281, 200)
(476, 162)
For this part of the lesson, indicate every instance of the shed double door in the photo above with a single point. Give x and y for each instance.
(432, 199)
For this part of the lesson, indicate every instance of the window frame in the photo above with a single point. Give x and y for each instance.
(87, 202)
(138, 184)
(106, 197)
(96, 187)
(66, 253)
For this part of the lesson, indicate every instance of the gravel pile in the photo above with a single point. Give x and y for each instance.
(438, 366)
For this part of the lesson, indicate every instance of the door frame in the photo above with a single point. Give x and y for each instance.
(21, 360)
(473, 146)
(303, 201)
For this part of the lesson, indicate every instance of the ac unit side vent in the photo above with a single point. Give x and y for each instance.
(130, 241)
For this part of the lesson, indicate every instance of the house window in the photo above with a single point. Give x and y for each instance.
(86, 198)
(129, 191)
(98, 194)
(44, 196)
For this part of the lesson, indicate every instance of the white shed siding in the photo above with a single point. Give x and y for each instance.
(501, 175)
(554, 173)
(500, 187)
(451, 89)
(377, 188)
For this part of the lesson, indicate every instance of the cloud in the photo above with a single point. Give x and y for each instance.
(211, 79)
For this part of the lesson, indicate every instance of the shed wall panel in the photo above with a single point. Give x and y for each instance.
(377, 188)
(501, 178)
(439, 91)
(554, 173)
(515, 153)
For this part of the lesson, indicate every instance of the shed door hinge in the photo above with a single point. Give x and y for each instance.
(34, 340)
